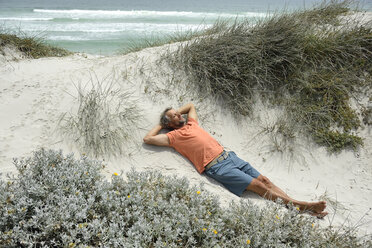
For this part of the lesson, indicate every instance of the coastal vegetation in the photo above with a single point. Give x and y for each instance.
(32, 47)
(58, 201)
(311, 62)
(105, 121)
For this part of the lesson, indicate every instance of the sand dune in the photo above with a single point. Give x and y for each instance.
(35, 93)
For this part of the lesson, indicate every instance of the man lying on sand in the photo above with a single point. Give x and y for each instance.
(209, 156)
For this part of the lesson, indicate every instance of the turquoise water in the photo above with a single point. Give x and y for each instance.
(104, 27)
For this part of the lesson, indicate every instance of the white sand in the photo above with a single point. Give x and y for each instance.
(34, 94)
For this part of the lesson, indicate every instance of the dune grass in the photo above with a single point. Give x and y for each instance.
(311, 62)
(105, 120)
(31, 46)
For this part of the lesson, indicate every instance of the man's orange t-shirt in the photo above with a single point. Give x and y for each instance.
(195, 143)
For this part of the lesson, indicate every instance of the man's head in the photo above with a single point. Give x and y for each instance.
(170, 118)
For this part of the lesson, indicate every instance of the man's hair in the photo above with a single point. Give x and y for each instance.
(164, 119)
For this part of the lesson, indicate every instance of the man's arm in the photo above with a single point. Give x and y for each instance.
(190, 110)
(153, 138)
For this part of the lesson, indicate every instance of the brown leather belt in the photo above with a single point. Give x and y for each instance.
(220, 158)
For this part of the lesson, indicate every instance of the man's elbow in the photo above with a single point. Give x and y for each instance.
(146, 140)
(149, 140)
(191, 105)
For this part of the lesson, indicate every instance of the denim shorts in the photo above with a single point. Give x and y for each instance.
(234, 173)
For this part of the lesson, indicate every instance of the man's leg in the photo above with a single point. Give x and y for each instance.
(273, 187)
(263, 187)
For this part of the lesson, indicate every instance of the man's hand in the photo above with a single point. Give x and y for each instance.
(190, 110)
(153, 138)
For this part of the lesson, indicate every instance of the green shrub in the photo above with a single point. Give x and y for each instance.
(336, 140)
(57, 201)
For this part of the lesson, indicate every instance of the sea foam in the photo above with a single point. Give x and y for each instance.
(145, 13)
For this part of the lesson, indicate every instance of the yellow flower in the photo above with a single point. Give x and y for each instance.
(298, 209)
(128, 196)
(248, 241)
(312, 225)
(116, 174)
(198, 192)
(215, 231)
(81, 225)
(276, 216)
(204, 229)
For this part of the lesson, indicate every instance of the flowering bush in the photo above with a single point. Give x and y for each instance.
(57, 201)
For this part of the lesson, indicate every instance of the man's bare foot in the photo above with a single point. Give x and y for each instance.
(319, 215)
(314, 207)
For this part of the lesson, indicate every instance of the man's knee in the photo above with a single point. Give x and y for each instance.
(258, 187)
(265, 181)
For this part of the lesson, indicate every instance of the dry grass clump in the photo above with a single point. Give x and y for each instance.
(306, 61)
(33, 47)
(326, 12)
(105, 121)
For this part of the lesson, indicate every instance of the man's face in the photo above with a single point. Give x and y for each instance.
(176, 119)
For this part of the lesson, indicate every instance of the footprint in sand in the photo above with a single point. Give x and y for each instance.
(13, 128)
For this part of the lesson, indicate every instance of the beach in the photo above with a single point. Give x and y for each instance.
(287, 91)
(35, 93)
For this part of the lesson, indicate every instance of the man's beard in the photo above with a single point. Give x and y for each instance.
(181, 123)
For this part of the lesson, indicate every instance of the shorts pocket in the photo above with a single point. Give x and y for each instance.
(212, 170)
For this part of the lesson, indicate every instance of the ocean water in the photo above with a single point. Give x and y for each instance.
(109, 26)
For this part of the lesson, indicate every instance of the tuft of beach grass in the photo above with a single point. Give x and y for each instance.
(31, 46)
(105, 121)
